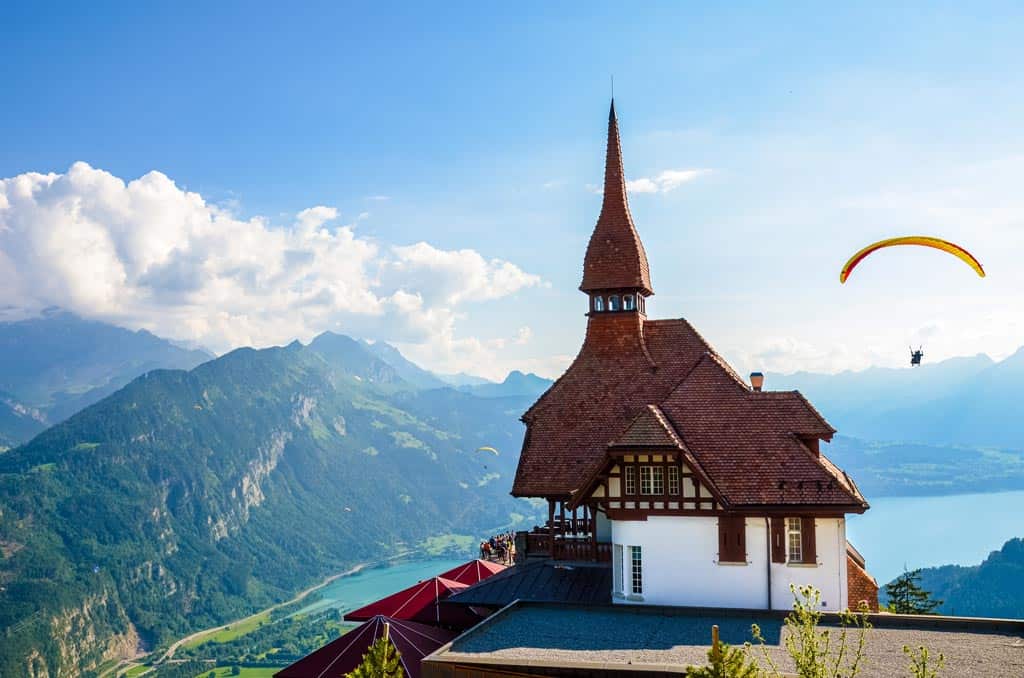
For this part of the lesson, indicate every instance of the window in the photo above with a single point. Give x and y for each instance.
(613, 303)
(637, 571)
(628, 302)
(673, 480)
(598, 304)
(794, 540)
(617, 569)
(652, 480)
(630, 479)
(732, 539)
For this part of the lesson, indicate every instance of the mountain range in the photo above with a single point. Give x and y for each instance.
(143, 503)
(187, 498)
(962, 401)
(55, 365)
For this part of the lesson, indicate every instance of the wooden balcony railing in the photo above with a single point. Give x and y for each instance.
(539, 544)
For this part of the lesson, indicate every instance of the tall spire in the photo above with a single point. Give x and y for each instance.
(615, 257)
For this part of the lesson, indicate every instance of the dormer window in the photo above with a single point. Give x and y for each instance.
(628, 302)
(613, 302)
(598, 304)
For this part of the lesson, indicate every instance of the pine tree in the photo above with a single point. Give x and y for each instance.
(382, 660)
(907, 597)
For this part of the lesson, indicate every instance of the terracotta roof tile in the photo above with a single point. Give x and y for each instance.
(615, 255)
(649, 429)
(747, 442)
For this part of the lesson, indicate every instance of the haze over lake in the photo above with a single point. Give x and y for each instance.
(927, 531)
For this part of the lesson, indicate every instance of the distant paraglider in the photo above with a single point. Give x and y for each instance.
(488, 449)
(915, 356)
(919, 240)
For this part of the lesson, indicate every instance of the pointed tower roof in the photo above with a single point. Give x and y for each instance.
(615, 256)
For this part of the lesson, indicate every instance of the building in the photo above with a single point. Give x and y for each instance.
(652, 453)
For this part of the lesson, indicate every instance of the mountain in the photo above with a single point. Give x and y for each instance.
(515, 384)
(59, 363)
(18, 421)
(995, 588)
(409, 371)
(896, 469)
(186, 499)
(463, 379)
(963, 401)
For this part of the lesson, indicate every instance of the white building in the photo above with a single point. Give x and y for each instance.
(702, 489)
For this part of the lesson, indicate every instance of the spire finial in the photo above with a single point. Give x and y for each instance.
(615, 256)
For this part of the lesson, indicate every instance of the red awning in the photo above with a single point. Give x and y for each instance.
(337, 658)
(472, 572)
(421, 603)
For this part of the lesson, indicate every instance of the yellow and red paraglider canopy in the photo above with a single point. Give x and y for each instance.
(919, 240)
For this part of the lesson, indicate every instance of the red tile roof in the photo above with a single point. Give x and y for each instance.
(615, 256)
(473, 572)
(649, 429)
(341, 656)
(420, 603)
(748, 443)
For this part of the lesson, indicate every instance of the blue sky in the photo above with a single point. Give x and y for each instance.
(811, 131)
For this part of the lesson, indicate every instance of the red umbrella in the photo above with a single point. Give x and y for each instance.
(421, 602)
(337, 658)
(472, 572)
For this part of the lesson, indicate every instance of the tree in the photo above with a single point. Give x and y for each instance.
(382, 660)
(236, 670)
(907, 597)
(730, 662)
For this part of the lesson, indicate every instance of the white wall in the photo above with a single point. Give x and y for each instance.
(680, 564)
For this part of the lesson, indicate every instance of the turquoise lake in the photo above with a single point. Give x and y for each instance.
(917, 532)
(374, 583)
(896, 531)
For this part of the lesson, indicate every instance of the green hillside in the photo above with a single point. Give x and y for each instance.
(189, 498)
(995, 588)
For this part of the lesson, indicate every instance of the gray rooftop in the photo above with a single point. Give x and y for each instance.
(608, 640)
(542, 581)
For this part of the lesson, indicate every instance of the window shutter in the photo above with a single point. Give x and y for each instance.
(809, 547)
(778, 540)
(732, 539)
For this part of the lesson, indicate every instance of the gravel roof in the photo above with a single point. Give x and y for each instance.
(673, 638)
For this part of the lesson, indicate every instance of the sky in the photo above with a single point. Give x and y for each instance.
(228, 174)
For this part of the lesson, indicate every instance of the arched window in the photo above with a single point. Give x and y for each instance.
(598, 304)
(628, 302)
(613, 302)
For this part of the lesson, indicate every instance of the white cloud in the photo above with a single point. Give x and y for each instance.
(148, 254)
(666, 181)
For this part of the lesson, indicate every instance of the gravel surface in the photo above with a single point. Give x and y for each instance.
(579, 635)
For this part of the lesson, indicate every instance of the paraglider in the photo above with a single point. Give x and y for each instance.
(915, 356)
(487, 449)
(918, 240)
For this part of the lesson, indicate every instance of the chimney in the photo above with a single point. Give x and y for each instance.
(756, 380)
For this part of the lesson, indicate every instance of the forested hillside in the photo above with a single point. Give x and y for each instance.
(54, 365)
(188, 498)
(995, 588)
